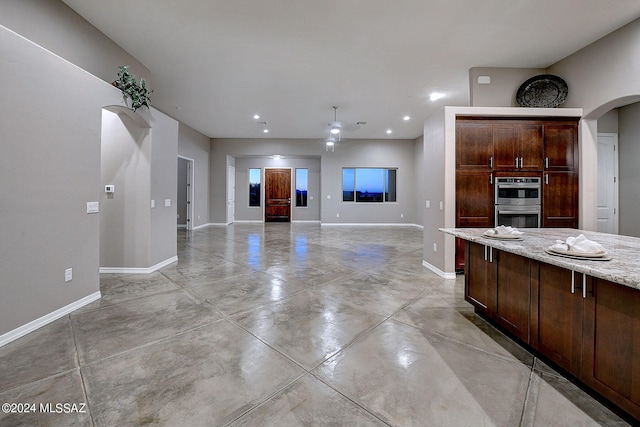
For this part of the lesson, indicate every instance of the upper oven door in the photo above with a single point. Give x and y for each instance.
(517, 191)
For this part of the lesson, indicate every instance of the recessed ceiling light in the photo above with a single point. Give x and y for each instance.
(256, 116)
(276, 156)
(406, 118)
(389, 131)
(435, 96)
(266, 131)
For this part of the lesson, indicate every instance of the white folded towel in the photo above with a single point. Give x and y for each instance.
(579, 244)
(503, 231)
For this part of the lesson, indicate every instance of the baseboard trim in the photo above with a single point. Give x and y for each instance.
(438, 271)
(371, 224)
(126, 270)
(44, 320)
(307, 221)
(247, 221)
(198, 227)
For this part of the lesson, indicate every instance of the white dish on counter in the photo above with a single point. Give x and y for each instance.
(579, 255)
(502, 236)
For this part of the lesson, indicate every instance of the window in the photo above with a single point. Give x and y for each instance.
(372, 185)
(302, 182)
(254, 187)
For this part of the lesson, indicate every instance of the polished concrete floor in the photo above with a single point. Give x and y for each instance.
(286, 325)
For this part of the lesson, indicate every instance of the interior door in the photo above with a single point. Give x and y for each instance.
(231, 194)
(608, 183)
(277, 193)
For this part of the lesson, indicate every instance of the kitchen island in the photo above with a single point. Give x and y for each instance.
(583, 315)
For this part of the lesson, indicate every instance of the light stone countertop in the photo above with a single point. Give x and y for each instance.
(623, 268)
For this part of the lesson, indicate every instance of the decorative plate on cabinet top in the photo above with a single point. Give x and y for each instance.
(544, 91)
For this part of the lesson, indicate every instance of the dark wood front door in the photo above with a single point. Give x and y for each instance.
(277, 192)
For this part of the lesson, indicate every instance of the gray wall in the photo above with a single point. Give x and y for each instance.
(501, 92)
(604, 74)
(59, 29)
(245, 213)
(629, 169)
(419, 180)
(164, 178)
(608, 122)
(50, 118)
(139, 152)
(196, 146)
(351, 153)
(125, 216)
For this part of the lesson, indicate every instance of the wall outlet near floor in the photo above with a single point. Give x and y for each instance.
(435, 247)
(401, 215)
(428, 204)
(337, 215)
(441, 205)
(68, 274)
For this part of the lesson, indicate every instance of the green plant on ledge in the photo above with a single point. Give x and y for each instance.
(139, 94)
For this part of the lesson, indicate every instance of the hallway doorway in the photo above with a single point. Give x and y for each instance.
(184, 203)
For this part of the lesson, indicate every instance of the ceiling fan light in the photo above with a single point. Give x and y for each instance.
(335, 130)
(330, 142)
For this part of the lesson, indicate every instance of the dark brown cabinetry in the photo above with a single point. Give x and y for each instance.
(513, 294)
(589, 327)
(479, 287)
(517, 146)
(561, 146)
(556, 324)
(560, 199)
(474, 146)
(611, 346)
(490, 147)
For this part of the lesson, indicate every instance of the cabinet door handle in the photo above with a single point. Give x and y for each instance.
(521, 162)
(584, 285)
(491, 162)
(573, 282)
(546, 179)
(485, 253)
(491, 255)
(546, 163)
(491, 179)
(516, 163)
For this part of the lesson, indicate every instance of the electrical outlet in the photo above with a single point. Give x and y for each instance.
(435, 247)
(441, 205)
(337, 215)
(68, 274)
(428, 204)
(401, 215)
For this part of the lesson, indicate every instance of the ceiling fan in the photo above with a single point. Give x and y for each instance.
(336, 128)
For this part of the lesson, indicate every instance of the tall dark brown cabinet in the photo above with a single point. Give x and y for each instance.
(490, 147)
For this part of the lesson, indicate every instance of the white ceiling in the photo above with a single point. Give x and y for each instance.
(216, 63)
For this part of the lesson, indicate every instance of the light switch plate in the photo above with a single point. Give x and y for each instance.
(167, 203)
(93, 207)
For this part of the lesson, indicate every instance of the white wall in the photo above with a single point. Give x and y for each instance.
(50, 116)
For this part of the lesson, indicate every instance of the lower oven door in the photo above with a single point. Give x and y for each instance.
(518, 216)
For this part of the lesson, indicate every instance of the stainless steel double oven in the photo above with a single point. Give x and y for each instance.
(518, 201)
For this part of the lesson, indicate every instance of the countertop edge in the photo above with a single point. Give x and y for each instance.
(623, 268)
